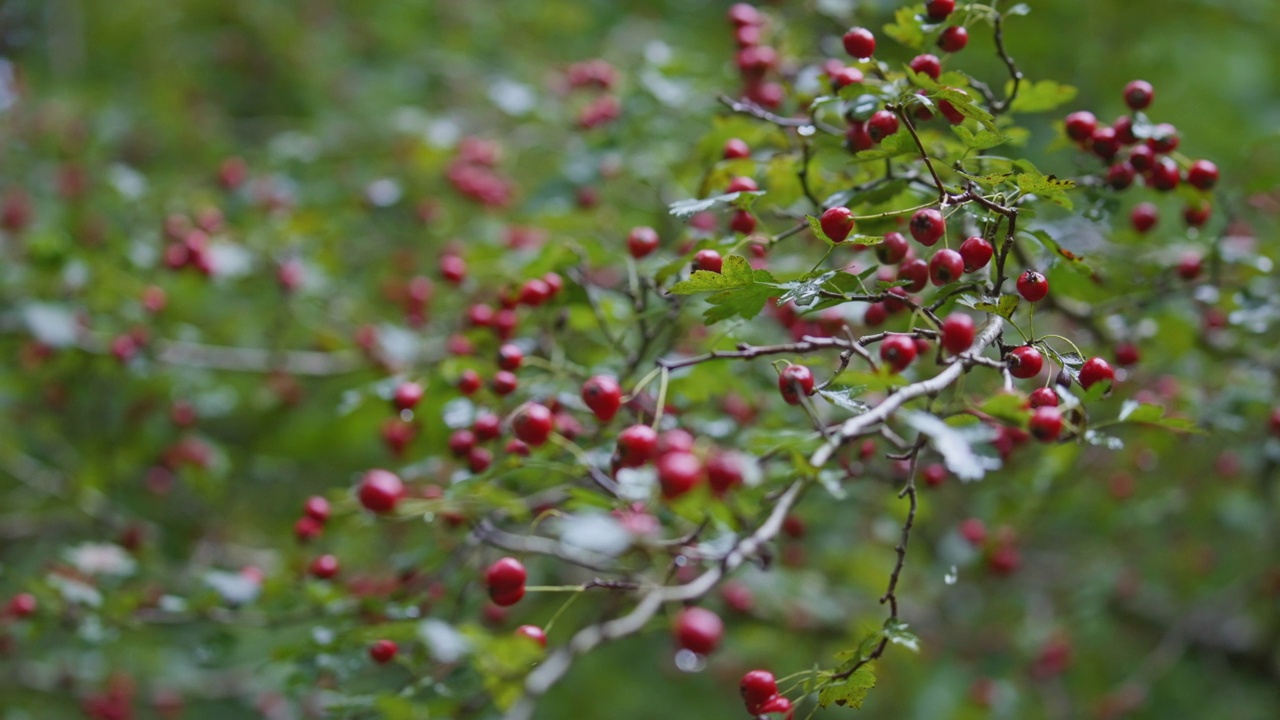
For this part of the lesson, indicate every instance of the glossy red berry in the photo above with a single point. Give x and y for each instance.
(603, 396)
(742, 222)
(976, 253)
(636, 446)
(461, 441)
(927, 226)
(1164, 175)
(1104, 143)
(857, 138)
(380, 490)
(757, 688)
(642, 241)
(916, 272)
(407, 395)
(1046, 423)
(453, 268)
(676, 439)
(881, 125)
(1189, 266)
(678, 472)
(708, 260)
(953, 39)
(837, 222)
(1196, 214)
(316, 508)
(876, 314)
(893, 249)
(479, 459)
(1127, 354)
(1138, 94)
(860, 43)
(698, 630)
(1094, 371)
(927, 65)
(957, 333)
(510, 357)
(736, 149)
(741, 184)
(846, 76)
(469, 381)
(1120, 176)
(934, 474)
(724, 472)
(1042, 397)
(534, 633)
(23, 605)
(504, 382)
(794, 381)
(505, 580)
(486, 426)
(1024, 362)
(1144, 216)
(1032, 286)
(897, 351)
(383, 651)
(1142, 158)
(1080, 125)
(1202, 175)
(973, 530)
(532, 424)
(945, 267)
(938, 10)
(324, 567)
(1163, 138)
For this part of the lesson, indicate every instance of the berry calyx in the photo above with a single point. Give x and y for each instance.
(383, 651)
(1138, 94)
(1042, 397)
(407, 395)
(898, 351)
(603, 396)
(757, 688)
(642, 241)
(698, 630)
(1024, 362)
(859, 42)
(976, 252)
(1046, 423)
(636, 445)
(678, 473)
(953, 39)
(945, 267)
(380, 490)
(957, 333)
(1094, 371)
(534, 633)
(837, 222)
(1202, 175)
(1032, 286)
(505, 580)
(794, 381)
(532, 424)
(927, 226)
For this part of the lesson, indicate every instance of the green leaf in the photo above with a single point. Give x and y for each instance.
(843, 396)
(897, 633)
(991, 180)
(906, 28)
(964, 104)
(1074, 261)
(804, 292)
(982, 140)
(687, 208)
(1008, 407)
(851, 691)
(739, 290)
(1004, 306)
(1040, 96)
(1151, 414)
(899, 143)
(1048, 187)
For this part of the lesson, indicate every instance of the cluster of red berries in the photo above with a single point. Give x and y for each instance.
(760, 694)
(189, 241)
(315, 513)
(596, 75)
(755, 60)
(473, 173)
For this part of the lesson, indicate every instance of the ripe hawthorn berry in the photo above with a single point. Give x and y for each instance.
(927, 226)
(757, 688)
(875, 315)
(486, 426)
(1202, 175)
(1120, 175)
(1189, 266)
(1138, 94)
(893, 249)
(1144, 216)
(407, 395)
(973, 530)
(510, 357)
(324, 567)
(744, 14)
(741, 184)
(316, 508)
(881, 125)
(945, 267)
(794, 381)
(676, 439)
(383, 651)
(1032, 286)
(1094, 371)
(957, 333)
(859, 42)
(1123, 126)
(1127, 354)
(532, 424)
(736, 149)
(1024, 362)
(1196, 214)
(453, 269)
(636, 446)
(479, 459)
(1042, 397)
(1163, 176)
(678, 473)
(708, 260)
(742, 222)
(534, 633)
(1163, 138)
(1142, 158)
(505, 579)
(23, 605)
(934, 474)
(837, 222)
(504, 382)
(380, 490)
(776, 705)
(724, 472)
(1104, 143)
(916, 272)
(953, 39)
(976, 252)
(642, 241)
(603, 396)
(469, 381)
(938, 10)
(846, 76)
(1080, 125)
(856, 136)
(698, 630)
(898, 351)
(461, 441)
(927, 65)
(1046, 423)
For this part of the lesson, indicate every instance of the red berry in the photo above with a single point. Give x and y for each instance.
(742, 222)
(1164, 175)
(316, 508)
(1042, 397)
(1033, 286)
(505, 579)
(881, 125)
(380, 490)
(678, 472)
(23, 605)
(1142, 158)
(1080, 125)
(1095, 370)
(973, 530)
(735, 149)
(677, 439)
(603, 396)
(1046, 423)
(708, 260)
(938, 10)
(837, 222)
(1123, 126)
(741, 184)
(1120, 176)
(1005, 560)
(946, 266)
(1274, 422)
(876, 314)
(1138, 94)
(532, 424)
(927, 65)
(469, 381)
(1105, 143)
(1164, 138)
(794, 381)
(934, 474)
(479, 459)
(554, 282)
(1024, 362)
(953, 39)
(724, 472)
(1127, 354)
(698, 630)
(534, 292)
(453, 268)
(383, 651)
(893, 249)
(641, 241)
(757, 688)
(1196, 214)
(324, 567)
(1202, 174)
(898, 351)
(915, 271)
(927, 226)
(636, 445)
(976, 252)
(461, 442)
(534, 633)
(744, 14)
(1144, 216)
(407, 395)
(776, 705)
(857, 138)
(1189, 267)
(860, 43)
(957, 333)
(846, 76)
(510, 356)
(486, 426)
(504, 382)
